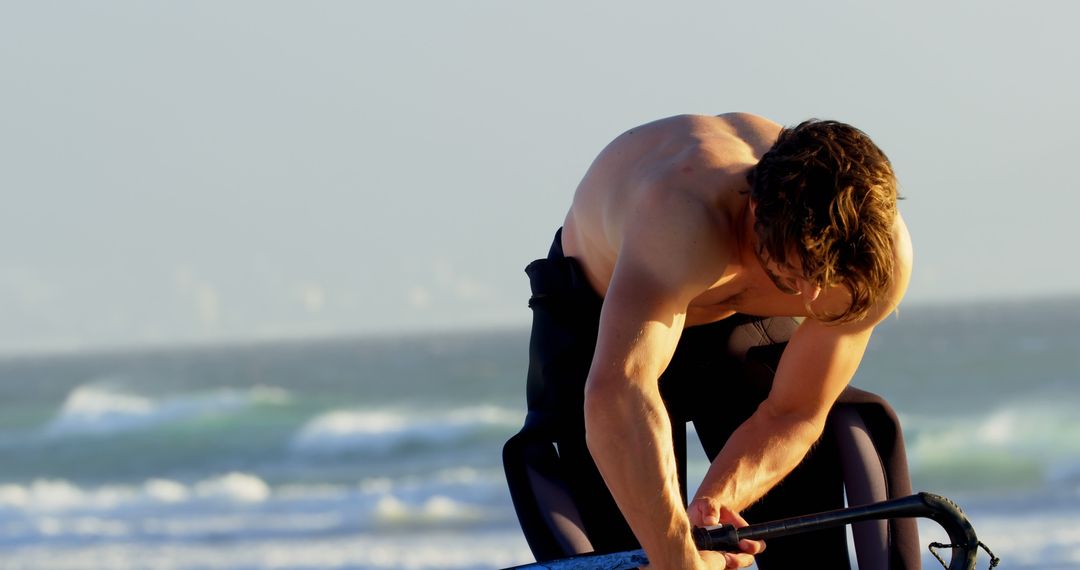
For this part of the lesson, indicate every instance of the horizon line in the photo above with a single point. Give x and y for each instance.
(46, 351)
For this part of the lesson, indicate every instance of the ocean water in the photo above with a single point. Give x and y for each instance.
(384, 453)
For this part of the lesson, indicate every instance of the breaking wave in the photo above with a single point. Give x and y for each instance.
(94, 409)
(1022, 444)
(381, 430)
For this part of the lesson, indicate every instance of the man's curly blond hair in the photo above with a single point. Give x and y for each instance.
(826, 194)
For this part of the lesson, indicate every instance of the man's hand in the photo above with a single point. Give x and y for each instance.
(705, 511)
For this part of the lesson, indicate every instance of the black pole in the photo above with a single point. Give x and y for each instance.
(925, 505)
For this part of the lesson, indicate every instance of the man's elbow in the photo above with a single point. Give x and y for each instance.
(608, 402)
(600, 395)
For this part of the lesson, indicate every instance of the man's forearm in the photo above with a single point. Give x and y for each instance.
(757, 456)
(629, 436)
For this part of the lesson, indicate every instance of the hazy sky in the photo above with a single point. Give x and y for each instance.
(195, 171)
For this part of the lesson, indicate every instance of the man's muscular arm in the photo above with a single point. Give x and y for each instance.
(627, 428)
(816, 366)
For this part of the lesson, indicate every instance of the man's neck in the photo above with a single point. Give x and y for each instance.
(744, 234)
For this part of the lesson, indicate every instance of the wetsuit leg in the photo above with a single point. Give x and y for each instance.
(861, 420)
(566, 315)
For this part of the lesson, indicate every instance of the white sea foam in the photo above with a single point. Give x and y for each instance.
(240, 506)
(380, 430)
(437, 550)
(46, 495)
(95, 409)
(233, 504)
(239, 487)
(443, 495)
(434, 511)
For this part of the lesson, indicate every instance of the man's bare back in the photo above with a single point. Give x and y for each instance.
(701, 163)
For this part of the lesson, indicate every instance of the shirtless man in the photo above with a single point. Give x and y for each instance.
(718, 224)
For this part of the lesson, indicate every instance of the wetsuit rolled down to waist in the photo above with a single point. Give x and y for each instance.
(564, 505)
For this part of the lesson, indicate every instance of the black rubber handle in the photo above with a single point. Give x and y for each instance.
(935, 507)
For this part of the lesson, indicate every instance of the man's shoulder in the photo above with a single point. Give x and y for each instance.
(889, 302)
(757, 132)
(738, 122)
(696, 148)
(748, 119)
(903, 262)
(903, 259)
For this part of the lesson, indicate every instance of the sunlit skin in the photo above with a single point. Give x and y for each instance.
(663, 226)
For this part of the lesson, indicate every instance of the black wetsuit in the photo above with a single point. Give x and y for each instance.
(717, 377)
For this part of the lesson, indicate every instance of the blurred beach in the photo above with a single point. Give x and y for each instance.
(373, 453)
